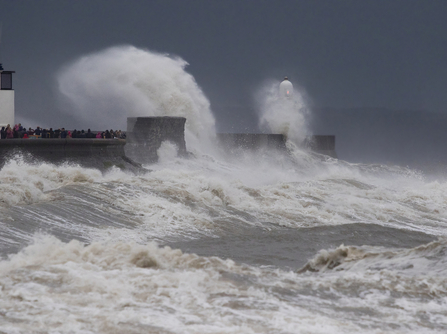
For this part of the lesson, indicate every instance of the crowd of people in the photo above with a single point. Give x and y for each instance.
(18, 131)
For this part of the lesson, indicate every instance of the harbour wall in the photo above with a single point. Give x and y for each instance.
(251, 141)
(92, 153)
(322, 144)
(144, 137)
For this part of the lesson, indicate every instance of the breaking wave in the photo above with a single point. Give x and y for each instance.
(106, 87)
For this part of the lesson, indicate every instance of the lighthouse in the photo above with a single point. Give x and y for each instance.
(285, 88)
(6, 98)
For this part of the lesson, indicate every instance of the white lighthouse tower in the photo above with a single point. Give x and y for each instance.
(6, 98)
(6, 94)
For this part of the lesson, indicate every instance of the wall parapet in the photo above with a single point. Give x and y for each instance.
(93, 153)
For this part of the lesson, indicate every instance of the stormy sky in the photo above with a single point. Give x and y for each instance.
(352, 58)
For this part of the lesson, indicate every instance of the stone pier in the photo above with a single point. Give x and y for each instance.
(144, 137)
(323, 144)
(146, 134)
(252, 141)
(91, 153)
(255, 141)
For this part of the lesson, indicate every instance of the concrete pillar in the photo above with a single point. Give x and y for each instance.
(145, 134)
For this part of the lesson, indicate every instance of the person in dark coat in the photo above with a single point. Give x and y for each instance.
(89, 134)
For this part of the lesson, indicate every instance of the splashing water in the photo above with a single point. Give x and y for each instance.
(167, 152)
(286, 116)
(89, 247)
(123, 81)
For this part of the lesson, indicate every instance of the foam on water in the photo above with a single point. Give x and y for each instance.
(22, 183)
(113, 287)
(120, 281)
(202, 196)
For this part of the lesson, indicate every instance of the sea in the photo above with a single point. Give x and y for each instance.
(262, 242)
(221, 241)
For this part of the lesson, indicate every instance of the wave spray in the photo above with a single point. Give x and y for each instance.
(286, 115)
(106, 87)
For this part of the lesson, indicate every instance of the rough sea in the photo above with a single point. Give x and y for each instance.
(242, 242)
(262, 243)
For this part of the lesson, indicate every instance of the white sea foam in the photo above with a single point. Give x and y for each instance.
(323, 193)
(184, 196)
(126, 283)
(23, 183)
(400, 285)
(420, 260)
(113, 287)
(167, 152)
(108, 86)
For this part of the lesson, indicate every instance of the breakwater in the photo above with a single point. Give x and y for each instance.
(322, 144)
(251, 141)
(91, 153)
(144, 137)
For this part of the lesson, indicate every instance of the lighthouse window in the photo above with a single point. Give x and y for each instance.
(6, 81)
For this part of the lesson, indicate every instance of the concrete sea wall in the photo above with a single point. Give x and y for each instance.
(252, 141)
(145, 135)
(91, 153)
(322, 144)
(255, 141)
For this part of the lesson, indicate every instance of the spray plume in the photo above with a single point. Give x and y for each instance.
(106, 87)
(287, 116)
